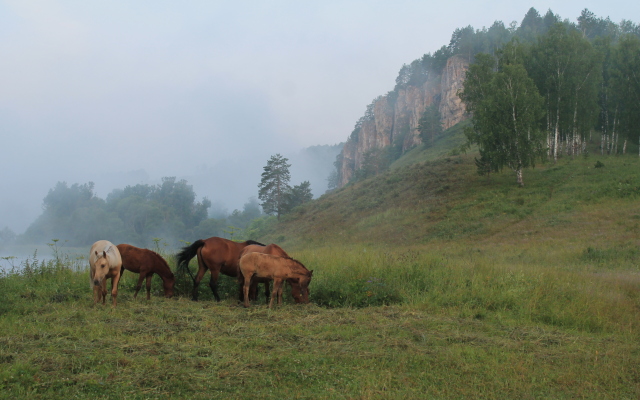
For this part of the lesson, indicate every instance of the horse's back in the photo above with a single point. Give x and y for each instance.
(265, 265)
(224, 253)
(272, 249)
(275, 250)
(135, 258)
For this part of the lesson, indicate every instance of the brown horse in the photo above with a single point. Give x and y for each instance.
(215, 254)
(146, 263)
(266, 266)
(104, 263)
(274, 250)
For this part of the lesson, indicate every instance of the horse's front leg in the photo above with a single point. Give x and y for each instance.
(114, 288)
(280, 292)
(138, 285)
(149, 286)
(97, 294)
(103, 291)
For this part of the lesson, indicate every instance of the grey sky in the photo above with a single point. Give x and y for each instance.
(125, 92)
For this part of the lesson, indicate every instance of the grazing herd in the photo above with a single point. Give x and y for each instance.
(250, 262)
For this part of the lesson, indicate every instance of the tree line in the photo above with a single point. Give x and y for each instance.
(585, 72)
(551, 94)
(142, 213)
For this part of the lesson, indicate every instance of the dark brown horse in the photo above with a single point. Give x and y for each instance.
(215, 254)
(274, 250)
(146, 263)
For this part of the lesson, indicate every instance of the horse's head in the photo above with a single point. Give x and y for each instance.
(168, 284)
(100, 268)
(300, 289)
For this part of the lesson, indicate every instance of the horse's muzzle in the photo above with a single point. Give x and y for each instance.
(96, 283)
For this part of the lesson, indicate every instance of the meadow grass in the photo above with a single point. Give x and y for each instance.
(454, 321)
(429, 282)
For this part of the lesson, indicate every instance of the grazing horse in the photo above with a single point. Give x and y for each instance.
(216, 254)
(277, 268)
(104, 262)
(146, 263)
(274, 250)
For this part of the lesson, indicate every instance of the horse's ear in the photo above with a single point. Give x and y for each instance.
(311, 273)
(104, 254)
(96, 253)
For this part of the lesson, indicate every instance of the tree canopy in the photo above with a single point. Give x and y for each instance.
(135, 214)
(274, 185)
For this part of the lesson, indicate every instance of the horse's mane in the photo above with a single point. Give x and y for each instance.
(297, 262)
(248, 242)
(108, 248)
(164, 262)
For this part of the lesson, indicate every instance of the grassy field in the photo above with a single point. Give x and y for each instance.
(454, 321)
(429, 282)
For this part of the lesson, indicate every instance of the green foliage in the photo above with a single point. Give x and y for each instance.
(626, 86)
(274, 185)
(299, 195)
(134, 214)
(375, 161)
(361, 292)
(507, 111)
(430, 124)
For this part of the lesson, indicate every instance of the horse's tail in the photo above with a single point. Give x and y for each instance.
(187, 253)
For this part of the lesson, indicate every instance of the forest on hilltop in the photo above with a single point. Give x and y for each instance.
(587, 72)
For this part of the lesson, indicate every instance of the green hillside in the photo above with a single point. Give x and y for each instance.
(433, 194)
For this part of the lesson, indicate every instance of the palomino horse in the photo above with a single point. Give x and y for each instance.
(216, 254)
(277, 268)
(104, 262)
(274, 250)
(146, 263)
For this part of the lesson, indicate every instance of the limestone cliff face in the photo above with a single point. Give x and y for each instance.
(394, 120)
(451, 107)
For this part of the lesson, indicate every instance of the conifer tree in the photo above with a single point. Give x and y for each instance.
(274, 185)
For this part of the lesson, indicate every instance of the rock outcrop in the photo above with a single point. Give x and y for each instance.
(394, 117)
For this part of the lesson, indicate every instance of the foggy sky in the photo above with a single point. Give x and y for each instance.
(126, 92)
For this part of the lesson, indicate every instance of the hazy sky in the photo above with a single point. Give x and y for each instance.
(125, 92)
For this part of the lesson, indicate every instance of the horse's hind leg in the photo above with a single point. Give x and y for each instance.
(213, 284)
(245, 288)
(267, 292)
(253, 290)
(202, 269)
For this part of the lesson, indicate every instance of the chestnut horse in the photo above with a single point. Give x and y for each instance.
(266, 266)
(146, 263)
(104, 263)
(216, 254)
(274, 250)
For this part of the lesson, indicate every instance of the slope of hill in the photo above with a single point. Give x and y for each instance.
(434, 194)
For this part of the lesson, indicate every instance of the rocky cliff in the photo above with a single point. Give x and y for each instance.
(393, 118)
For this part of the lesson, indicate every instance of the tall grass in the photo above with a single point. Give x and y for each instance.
(481, 284)
(455, 321)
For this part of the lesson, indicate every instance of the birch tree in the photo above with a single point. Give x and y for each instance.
(507, 110)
